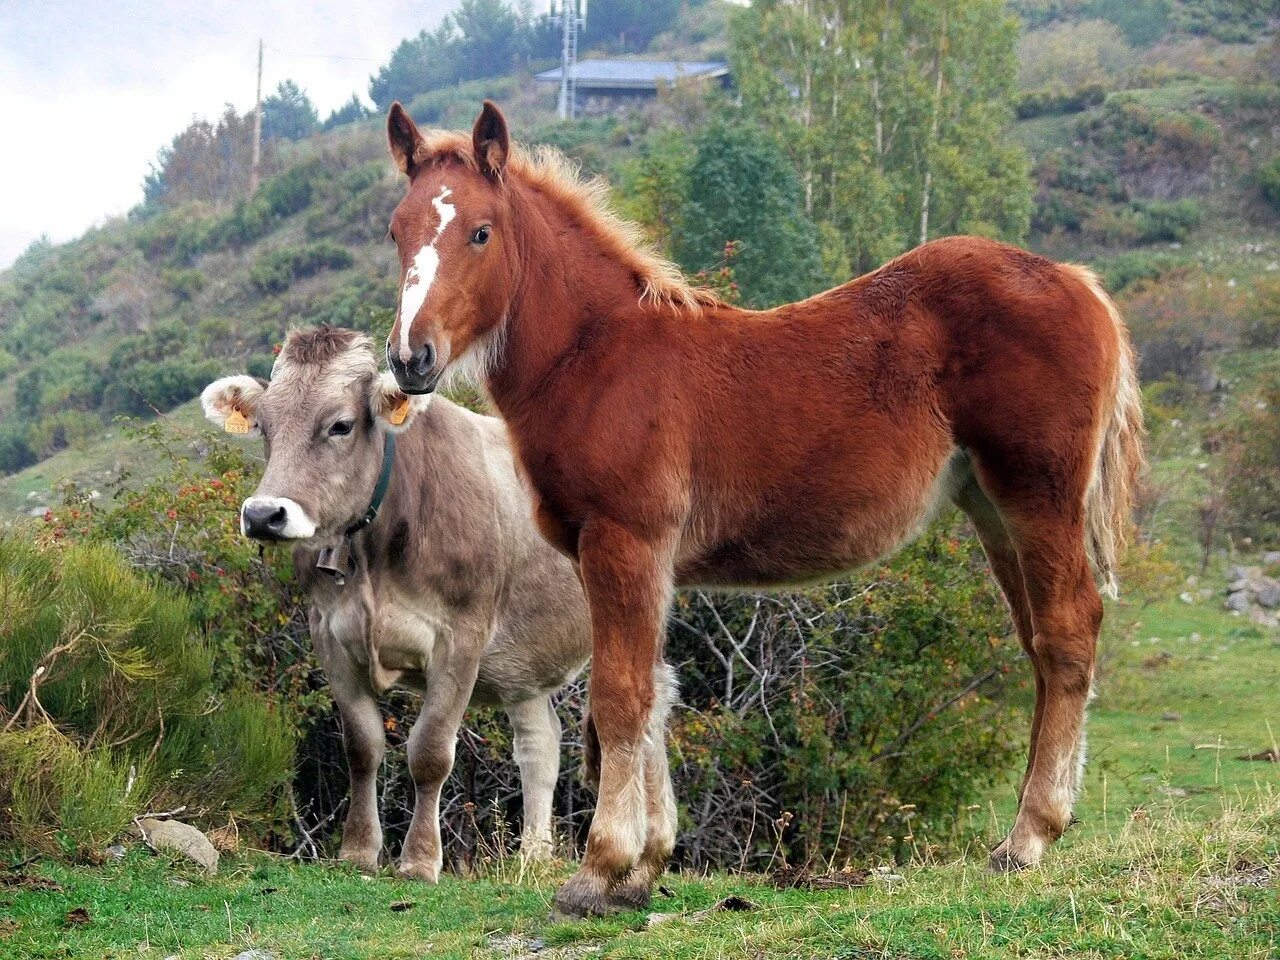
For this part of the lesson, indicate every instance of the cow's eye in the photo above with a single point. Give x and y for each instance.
(341, 428)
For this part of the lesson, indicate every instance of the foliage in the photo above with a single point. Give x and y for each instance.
(741, 188)
(288, 114)
(1073, 55)
(654, 184)
(627, 26)
(1250, 465)
(1178, 320)
(1269, 181)
(276, 270)
(206, 161)
(1059, 99)
(353, 111)
(894, 116)
(864, 730)
(110, 705)
(482, 38)
(1122, 270)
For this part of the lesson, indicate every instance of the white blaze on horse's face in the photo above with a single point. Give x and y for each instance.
(422, 273)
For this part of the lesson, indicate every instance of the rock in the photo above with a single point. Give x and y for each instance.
(1171, 717)
(1267, 592)
(1186, 597)
(255, 955)
(1263, 619)
(1239, 602)
(171, 836)
(115, 852)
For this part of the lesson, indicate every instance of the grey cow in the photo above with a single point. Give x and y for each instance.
(449, 591)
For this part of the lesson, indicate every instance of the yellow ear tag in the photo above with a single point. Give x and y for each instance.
(236, 422)
(400, 413)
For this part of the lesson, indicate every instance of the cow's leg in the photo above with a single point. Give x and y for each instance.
(628, 584)
(432, 742)
(537, 748)
(634, 891)
(365, 742)
(1066, 613)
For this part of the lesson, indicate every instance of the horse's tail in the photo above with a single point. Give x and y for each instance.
(1120, 458)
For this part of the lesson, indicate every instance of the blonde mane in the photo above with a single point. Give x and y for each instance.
(551, 173)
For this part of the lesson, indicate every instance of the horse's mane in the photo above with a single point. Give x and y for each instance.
(550, 172)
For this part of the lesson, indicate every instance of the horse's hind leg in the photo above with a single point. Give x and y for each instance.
(1066, 614)
(1007, 570)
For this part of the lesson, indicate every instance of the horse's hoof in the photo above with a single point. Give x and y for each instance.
(1004, 860)
(630, 896)
(425, 872)
(582, 897)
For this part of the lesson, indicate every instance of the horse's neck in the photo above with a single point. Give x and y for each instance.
(566, 286)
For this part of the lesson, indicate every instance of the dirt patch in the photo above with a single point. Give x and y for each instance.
(1266, 756)
(25, 881)
(803, 878)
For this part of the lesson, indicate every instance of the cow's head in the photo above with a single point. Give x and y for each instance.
(323, 416)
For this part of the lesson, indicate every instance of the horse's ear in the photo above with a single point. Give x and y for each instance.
(403, 137)
(490, 140)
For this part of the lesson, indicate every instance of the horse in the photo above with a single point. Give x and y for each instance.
(671, 439)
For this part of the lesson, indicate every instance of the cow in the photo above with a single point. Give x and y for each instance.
(416, 551)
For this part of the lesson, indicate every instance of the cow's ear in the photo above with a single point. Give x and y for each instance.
(491, 141)
(392, 408)
(231, 403)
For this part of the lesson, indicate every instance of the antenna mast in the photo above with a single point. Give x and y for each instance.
(572, 18)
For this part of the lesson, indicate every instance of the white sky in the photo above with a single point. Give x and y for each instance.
(90, 90)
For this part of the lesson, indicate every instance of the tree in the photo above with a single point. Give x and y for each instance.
(205, 161)
(742, 188)
(352, 111)
(482, 38)
(894, 113)
(288, 114)
(628, 25)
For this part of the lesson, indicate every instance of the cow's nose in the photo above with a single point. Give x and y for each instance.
(264, 521)
(419, 374)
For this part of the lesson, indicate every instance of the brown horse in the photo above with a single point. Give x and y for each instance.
(671, 439)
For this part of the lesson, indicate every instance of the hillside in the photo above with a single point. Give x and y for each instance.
(1149, 159)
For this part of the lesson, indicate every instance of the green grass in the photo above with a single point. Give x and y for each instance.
(1154, 887)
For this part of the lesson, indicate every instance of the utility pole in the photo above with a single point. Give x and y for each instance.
(257, 130)
(572, 18)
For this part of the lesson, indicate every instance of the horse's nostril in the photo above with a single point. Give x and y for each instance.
(423, 359)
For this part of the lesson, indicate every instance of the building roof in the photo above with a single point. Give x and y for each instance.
(634, 74)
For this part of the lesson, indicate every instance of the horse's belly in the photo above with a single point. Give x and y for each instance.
(801, 541)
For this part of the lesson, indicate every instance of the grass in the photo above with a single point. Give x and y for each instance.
(1155, 887)
(1177, 855)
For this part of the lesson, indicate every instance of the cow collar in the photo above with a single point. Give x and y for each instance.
(336, 560)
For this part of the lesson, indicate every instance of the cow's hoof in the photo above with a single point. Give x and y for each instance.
(365, 861)
(630, 896)
(582, 896)
(426, 872)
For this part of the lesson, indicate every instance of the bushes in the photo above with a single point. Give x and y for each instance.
(1057, 99)
(856, 717)
(1250, 472)
(110, 708)
(275, 271)
(1268, 177)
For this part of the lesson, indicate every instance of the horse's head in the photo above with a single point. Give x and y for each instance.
(453, 231)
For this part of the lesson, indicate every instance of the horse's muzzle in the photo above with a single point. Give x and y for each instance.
(419, 375)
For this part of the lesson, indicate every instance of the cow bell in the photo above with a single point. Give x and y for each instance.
(336, 561)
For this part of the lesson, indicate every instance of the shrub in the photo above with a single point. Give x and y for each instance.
(861, 717)
(110, 707)
(1250, 466)
(1058, 99)
(1178, 320)
(1269, 181)
(275, 271)
(1125, 269)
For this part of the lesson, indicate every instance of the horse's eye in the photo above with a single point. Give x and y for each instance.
(481, 236)
(341, 428)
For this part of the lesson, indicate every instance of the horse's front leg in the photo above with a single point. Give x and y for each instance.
(432, 743)
(628, 585)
